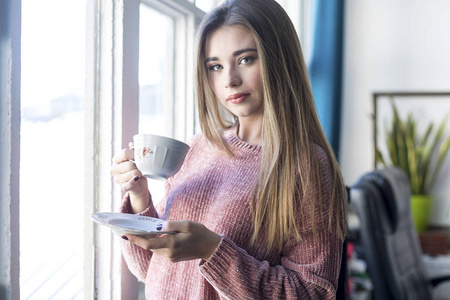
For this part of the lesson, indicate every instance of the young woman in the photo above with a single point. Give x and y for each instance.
(259, 204)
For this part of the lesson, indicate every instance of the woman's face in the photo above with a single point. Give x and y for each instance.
(234, 71)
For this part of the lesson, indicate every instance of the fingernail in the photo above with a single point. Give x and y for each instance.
(159, 227)
(125, 238)
(136, 178)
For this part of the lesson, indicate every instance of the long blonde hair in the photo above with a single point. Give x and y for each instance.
(290, 123)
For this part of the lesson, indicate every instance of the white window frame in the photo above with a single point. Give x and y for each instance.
(112, 111)
(10, 35)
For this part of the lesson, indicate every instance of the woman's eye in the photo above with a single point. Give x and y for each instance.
(215, 67)
(246, 60)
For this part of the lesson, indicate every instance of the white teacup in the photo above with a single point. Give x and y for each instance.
(158, 157)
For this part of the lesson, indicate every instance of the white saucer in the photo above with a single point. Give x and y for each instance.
(121, 224)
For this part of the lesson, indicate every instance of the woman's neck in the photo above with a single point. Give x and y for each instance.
(250, 130)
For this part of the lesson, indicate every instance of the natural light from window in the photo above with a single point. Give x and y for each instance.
(155, 78)
(206, 5)
(52, 149)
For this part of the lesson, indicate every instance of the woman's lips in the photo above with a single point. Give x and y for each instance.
(237, 98)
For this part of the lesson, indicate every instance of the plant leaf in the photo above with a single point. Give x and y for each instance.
(379, 158)
(414, 155)
(421, 146)
(432, 149)
(442, 154)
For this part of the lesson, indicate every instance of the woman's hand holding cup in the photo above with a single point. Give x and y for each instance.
(149, 156)
(128, 176)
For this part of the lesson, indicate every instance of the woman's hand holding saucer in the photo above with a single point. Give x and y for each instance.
(191, 241)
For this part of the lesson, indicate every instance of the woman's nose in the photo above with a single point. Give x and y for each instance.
(233, 78)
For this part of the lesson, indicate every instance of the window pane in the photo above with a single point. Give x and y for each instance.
(155, 79)
(52, 149)
(155, 72)
(206, 5)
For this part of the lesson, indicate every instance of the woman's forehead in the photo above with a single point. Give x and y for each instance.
(228, 39)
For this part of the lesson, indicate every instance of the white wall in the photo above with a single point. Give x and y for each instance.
(401, 45)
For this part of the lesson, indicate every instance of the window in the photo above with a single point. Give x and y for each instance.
(139, 79)
(52, 147)
(155, 71)
(206, 5)
(156, 57)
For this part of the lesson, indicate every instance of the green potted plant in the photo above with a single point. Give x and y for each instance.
(420, 156)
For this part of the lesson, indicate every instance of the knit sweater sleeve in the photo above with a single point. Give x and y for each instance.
(309, 268)
(137, 258)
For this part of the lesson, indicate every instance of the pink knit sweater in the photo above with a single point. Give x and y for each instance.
(215, 189)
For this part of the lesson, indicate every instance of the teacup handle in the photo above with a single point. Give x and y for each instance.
(132, 148)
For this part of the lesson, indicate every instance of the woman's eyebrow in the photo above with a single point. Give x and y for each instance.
(235, 53)
(211, 59)
(238, 52)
